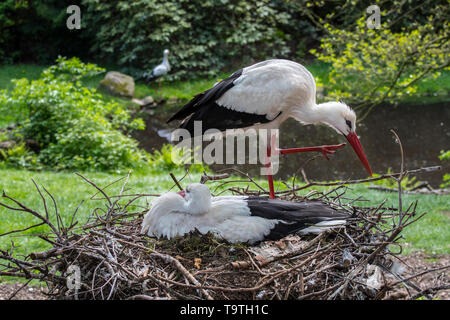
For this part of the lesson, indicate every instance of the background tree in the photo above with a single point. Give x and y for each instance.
(372, 66)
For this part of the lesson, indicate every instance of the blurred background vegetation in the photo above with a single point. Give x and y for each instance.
(205, 36)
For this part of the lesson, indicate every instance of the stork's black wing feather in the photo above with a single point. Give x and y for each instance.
(213, 116)
(297, 215)
(203, 107)
(206, 98)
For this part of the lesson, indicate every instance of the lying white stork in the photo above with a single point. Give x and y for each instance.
(264, 95)
(236, 218)
(161, 69)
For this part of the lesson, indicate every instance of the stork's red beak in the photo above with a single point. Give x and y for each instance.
(182, 193)
(354, 141)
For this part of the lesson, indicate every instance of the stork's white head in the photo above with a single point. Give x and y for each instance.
(339, 116)
(342, 118)
(197, 197)
(166, 52)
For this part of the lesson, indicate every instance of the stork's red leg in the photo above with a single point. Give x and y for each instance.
(269, 173)
(325, 150)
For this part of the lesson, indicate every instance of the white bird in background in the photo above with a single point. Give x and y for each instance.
(236, 218)
(161, 69)
(264, 95)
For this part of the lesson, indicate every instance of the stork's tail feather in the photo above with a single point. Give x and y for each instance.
(296, 217)
(322, 226)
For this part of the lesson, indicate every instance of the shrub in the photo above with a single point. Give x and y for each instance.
(19, 156)
(204, 36)
(74, 126)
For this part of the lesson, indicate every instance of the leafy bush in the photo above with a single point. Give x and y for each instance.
(19, 156)
(72, 69)
(203, 36)
(74, 126)
(370, 66)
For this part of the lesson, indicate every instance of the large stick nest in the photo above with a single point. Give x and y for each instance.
(107, 258)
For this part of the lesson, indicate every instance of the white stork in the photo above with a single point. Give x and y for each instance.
(161, 69)
(236, 218)
(264, 95)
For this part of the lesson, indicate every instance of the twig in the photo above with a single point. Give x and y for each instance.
(176, 181)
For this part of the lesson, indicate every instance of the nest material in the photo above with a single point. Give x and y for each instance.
(107, 258)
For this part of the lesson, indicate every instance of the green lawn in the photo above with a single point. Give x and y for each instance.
(431, 234)
(69, 190)
(18, 71)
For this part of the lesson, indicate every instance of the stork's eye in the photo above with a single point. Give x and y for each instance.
(348, 122)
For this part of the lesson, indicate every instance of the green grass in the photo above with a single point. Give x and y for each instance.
(431, 234)
(18, 71)
(181, 90)
(69, 190)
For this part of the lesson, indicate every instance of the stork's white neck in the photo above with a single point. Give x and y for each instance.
(326, 113)
(197, 201)
(313, 113)
(166, 59)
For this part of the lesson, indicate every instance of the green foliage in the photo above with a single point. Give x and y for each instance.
(163, 160)
(74, 126)
(203, 36)
(72, 69)
(370, 66)
(408, 182)
(445, 156)
(18, 156)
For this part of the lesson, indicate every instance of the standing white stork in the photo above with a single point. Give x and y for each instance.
(264, 95)
(161, 69)
(236, 218)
